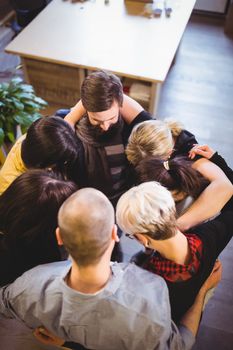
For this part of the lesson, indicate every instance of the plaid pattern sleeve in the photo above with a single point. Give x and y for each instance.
(172, 271)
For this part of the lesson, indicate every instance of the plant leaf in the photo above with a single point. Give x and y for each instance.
(24, 95)
(18, 105)
(27, 88)
(11, 136)
(16, 80)
(4, 86)
(35, 116)
(23, 118)
(31, 105)
(40, 101)
(1, 136)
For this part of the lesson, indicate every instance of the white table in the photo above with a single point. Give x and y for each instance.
(66, 39)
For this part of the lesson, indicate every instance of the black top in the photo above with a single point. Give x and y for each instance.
(184, 142)
(18, 257)
(215, 235)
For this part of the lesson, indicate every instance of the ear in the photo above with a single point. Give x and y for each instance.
(115, 236)
(142, 239)
(58, 236)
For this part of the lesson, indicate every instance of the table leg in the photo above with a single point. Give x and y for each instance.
(154, 98)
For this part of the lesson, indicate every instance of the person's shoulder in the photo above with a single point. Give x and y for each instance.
(141, 117)
(16, 148)
(50, 270)
(147, 292)
(18, 144)
(38, 279)
(135, 277)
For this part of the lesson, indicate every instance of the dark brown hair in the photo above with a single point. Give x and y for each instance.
(180, 176)
(28, 220)
(99, 90)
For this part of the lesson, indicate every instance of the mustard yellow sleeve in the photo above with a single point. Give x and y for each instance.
(13, 165)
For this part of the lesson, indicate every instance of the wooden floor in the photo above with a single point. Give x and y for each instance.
(199, 92)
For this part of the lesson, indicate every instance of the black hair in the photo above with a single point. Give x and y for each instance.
(179, 175)
(52, 143)
(28, 219)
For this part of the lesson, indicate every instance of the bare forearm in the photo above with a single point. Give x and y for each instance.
(212, 199)
(207, 205)
(130, 109)
(75, 114)
(192, 317)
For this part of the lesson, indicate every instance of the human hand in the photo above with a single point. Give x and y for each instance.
(202, 150)
(46, 337)
(214, 277)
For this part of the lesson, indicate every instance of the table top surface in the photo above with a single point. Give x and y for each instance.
(118, 37)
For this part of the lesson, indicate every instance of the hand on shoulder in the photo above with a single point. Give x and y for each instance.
(202, 150)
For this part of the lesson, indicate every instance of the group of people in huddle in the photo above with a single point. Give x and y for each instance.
(70, 188)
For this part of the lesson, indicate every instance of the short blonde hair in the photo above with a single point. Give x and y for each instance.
(147, 209)
(152, 138)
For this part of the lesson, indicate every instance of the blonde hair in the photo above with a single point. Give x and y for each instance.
(152, 138)
(147, 209)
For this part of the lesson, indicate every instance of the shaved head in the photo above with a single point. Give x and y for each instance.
(86, 220)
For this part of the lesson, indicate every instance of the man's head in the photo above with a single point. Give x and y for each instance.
(86, 225)
(102, 97)
(147, 209)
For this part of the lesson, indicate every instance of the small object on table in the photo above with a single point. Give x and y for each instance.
(168, 7)
(157, 7)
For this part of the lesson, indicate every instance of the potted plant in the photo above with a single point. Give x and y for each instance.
(19, 106)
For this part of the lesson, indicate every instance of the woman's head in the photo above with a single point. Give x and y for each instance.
(176, 174)
(152, 138)
(147, 209)
(29, 206)
(51, 143)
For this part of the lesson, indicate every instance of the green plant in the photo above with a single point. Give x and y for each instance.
(18, 106)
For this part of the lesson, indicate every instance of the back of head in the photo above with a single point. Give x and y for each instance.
(86, 220)
(29, 206)
(50, 143)
(100, 90)
(149, 138)
(147, 209)
(176, 174)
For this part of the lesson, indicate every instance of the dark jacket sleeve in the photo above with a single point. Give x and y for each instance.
(184, 143)
(220, 161)
(141, 117)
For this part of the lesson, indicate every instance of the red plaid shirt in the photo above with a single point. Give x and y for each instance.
(176, 272)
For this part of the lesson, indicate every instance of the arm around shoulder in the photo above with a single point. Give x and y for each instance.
(76, 113)
(191, 319)
(212, 199)
(130, 109)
